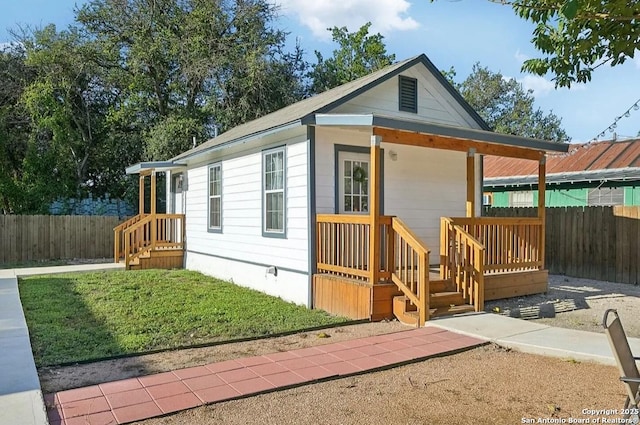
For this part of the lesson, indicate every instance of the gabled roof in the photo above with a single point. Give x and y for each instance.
(294, 114)
(594, 161)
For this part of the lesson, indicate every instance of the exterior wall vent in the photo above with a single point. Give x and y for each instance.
(408, 94)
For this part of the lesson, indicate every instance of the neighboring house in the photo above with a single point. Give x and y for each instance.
(596, 173)
(338, 201)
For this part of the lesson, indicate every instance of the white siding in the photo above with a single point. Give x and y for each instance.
(241, 237)
(420, 186)
(435, 103)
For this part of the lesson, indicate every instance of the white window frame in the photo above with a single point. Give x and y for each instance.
(211, 196)
(268, 191)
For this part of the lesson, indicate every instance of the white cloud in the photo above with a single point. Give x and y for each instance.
(539, 85)
(385, 15)
(520, 57)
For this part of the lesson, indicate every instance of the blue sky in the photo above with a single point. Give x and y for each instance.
(452, 33)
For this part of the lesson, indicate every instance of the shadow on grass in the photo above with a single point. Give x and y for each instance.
(61, 326)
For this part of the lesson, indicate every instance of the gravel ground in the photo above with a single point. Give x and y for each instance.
(576, 303)
(486, 385)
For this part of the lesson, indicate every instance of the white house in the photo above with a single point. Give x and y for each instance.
(253, 197)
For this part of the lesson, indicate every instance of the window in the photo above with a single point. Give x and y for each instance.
(355, 184)
(215, 197)
(521, 199)
(273, 170)
(606, 196)
(408, 94)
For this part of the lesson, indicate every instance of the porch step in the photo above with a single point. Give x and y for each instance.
(445, 299)
(441, 286)
(451, 310)
(404, 311)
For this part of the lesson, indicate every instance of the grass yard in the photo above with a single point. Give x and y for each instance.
(84, 316)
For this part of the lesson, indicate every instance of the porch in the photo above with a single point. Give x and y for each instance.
(374, 266)
(150, 240)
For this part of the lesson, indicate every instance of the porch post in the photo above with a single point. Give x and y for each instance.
(374, 211)
(154, 222)
(471, 183)
(141, 194)
(541, 206)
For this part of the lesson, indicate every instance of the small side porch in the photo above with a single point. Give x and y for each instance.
(375, 267)
(150, 240)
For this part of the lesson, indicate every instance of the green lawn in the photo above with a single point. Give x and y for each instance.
(83, 316)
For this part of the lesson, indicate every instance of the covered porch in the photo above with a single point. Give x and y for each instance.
(150, 239)
(374, 266)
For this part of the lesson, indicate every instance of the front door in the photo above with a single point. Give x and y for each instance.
(176, 193)
(353, 183)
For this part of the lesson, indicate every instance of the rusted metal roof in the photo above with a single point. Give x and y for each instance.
(586, 157)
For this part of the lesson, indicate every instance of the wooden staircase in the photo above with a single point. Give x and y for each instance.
(444, 300)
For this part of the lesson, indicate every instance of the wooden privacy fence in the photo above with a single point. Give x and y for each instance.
(53, 237)
(592, 242)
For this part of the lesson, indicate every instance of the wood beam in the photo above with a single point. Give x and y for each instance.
(153, 193)
(454, 144)
(374, 211)
(141, 194)
(541, 206)
(471, 183)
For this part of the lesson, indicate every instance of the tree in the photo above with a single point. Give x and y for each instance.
(358, 54)
(15, 127)
(507, 107)
(193, 65)
(578, 36)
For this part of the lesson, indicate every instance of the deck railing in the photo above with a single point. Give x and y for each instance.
(159, 231)
(343, 245)
(512, 244)
(118, 238)
(462, 260)
(410, 267)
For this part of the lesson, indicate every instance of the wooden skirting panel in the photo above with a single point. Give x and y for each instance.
(507, 285)
(353, 299)
(163, 259)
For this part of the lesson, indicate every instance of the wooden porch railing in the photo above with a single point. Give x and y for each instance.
(462, 260)
(343, 245)
(512, 244)
(118, 251)
(410, 267)
(159, 231)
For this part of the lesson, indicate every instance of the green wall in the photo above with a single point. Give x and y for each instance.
(567, 197)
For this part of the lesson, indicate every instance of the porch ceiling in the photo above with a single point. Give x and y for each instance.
(145, 168)
(438, 136)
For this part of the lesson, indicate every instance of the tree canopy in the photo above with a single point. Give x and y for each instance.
(357, 55)
(507, 107)
(578, 36)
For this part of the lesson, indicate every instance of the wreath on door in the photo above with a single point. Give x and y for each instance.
(359, 174)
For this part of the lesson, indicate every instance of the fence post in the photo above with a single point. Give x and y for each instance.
(423, 287)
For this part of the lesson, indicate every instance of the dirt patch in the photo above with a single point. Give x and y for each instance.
(459, 389)
(576, 303)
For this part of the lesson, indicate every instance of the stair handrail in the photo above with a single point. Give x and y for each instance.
(117, 233)
(462, 260)
(406, 244)
(132, 252)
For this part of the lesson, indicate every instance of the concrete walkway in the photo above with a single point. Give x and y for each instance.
(22, 402)
(21, 399)
(534, 338)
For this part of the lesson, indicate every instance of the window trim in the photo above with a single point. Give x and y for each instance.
(402, 79)
(270, 233)
(210, 228)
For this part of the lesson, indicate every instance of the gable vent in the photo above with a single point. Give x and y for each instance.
(408, 94)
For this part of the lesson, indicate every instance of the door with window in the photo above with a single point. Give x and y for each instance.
(176, 194)
(353, 183)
